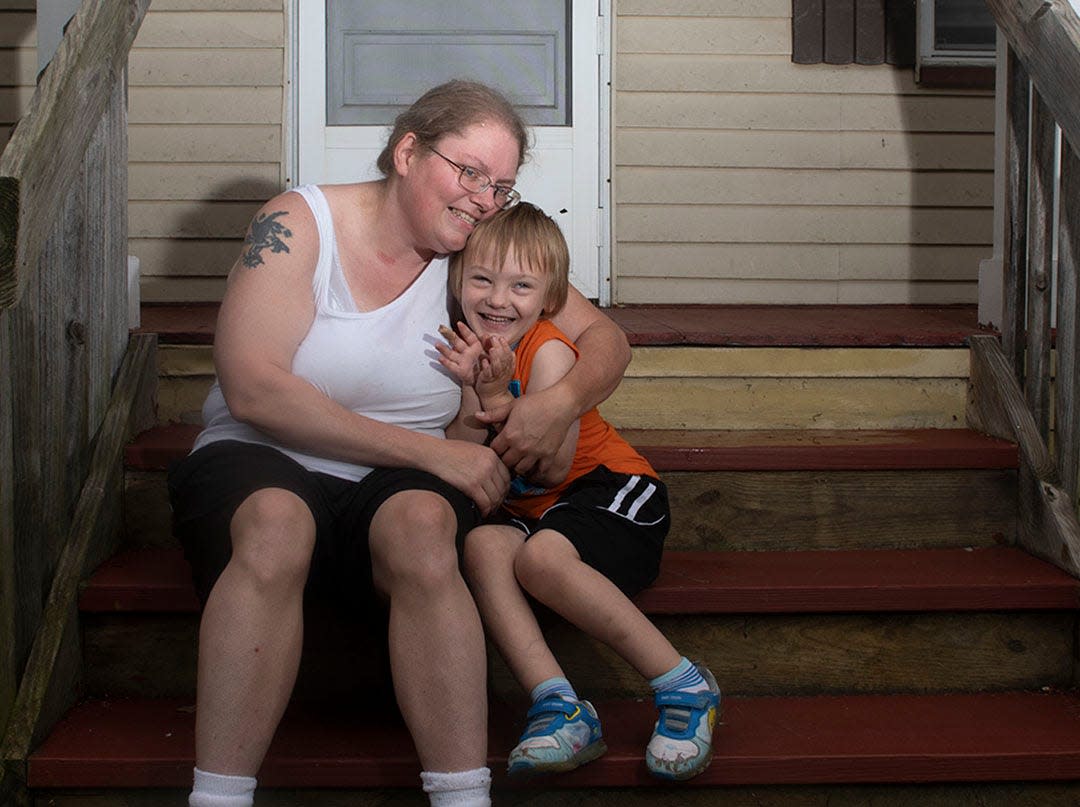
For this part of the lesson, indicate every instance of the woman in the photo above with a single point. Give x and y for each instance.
(324, 451)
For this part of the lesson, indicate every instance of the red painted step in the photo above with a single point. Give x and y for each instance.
(773, 740)
(996, 578)
(735, 325)
(734, 450)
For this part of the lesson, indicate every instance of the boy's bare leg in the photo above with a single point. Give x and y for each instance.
(489, 567)
(550, 569)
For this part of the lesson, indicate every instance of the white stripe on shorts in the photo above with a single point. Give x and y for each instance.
(616, 503)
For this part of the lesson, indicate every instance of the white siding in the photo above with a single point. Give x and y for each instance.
(207, 82)
(18, 61)
(740, 177)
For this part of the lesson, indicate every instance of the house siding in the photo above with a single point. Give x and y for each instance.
(741, 177)
(207, 84)
(738, 176)
(18, 62)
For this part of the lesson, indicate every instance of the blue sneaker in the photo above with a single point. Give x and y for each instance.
(681, 744)
(560, 736)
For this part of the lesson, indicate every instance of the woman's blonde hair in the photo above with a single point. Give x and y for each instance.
(451, 108)
(533, 238)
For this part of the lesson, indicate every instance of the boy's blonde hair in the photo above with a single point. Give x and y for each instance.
(536, 242)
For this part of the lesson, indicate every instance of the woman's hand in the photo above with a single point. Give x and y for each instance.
(534, 429)
(475, 470)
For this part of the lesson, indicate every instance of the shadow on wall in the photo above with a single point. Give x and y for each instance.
(190, 236)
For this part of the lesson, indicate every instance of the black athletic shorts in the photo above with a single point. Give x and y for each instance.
(207, 487)
(617, 523)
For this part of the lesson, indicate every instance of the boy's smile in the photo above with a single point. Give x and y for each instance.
(501, 300)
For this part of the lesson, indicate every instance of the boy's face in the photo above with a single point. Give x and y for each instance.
(501, 301)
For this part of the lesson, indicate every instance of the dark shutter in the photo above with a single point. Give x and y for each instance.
(846, 31)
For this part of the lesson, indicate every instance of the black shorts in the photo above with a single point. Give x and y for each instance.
(617, 523)
(207, 487)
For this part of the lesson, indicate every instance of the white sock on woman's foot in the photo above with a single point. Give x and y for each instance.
(459, 788)
(221, 790)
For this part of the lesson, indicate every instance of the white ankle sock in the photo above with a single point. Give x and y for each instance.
(460, 788)
(221, 790)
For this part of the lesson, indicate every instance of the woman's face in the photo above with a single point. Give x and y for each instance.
(445, 210)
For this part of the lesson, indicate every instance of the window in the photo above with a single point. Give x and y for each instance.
(955, 33)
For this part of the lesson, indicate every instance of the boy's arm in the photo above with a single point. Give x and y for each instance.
(553, 360)
(534, 427)
(465, 426)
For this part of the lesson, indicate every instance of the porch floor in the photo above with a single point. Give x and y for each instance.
(715, 325)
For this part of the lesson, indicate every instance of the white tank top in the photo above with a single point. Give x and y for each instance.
(381, 364)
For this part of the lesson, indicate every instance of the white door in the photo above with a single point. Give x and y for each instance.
(382, 54)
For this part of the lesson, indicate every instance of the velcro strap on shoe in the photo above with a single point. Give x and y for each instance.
(688, 700)
(551, 706)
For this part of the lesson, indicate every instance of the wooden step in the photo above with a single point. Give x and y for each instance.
(1012, 736)
(729, 450)
(732, 325)
(990, 579)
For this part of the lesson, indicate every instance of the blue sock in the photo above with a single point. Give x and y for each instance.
(554, 686)
(683, 677)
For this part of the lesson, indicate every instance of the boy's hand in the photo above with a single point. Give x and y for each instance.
(461, 353)
(496, 369)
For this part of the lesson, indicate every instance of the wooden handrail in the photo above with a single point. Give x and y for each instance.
(42, 158)
(1046, 35)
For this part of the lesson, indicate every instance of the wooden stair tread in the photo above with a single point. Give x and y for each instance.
(1009, 736)
(730, 325)
(729, 450)
(983, 579)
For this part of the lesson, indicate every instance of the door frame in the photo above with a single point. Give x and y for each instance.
(584, 52)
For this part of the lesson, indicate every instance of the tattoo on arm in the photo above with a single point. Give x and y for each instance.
(266, 231)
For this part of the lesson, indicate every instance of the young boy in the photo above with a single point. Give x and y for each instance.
(581, 540)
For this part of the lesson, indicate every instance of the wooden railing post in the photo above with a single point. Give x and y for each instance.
(1067, 388)
(63, 336)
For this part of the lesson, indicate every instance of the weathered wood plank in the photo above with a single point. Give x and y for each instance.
(1014, 249)
(1067, 401)
(38, 687)
(759, 511)
(996, 405)
(819, 654)
(1046, 35)
(10, 665)
(1040, 269)
(42, 157)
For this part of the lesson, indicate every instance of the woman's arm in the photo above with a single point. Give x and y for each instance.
(535, 426)
(264, 316)
(552, 362)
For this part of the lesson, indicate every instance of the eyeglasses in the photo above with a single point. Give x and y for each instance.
(476, 181)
